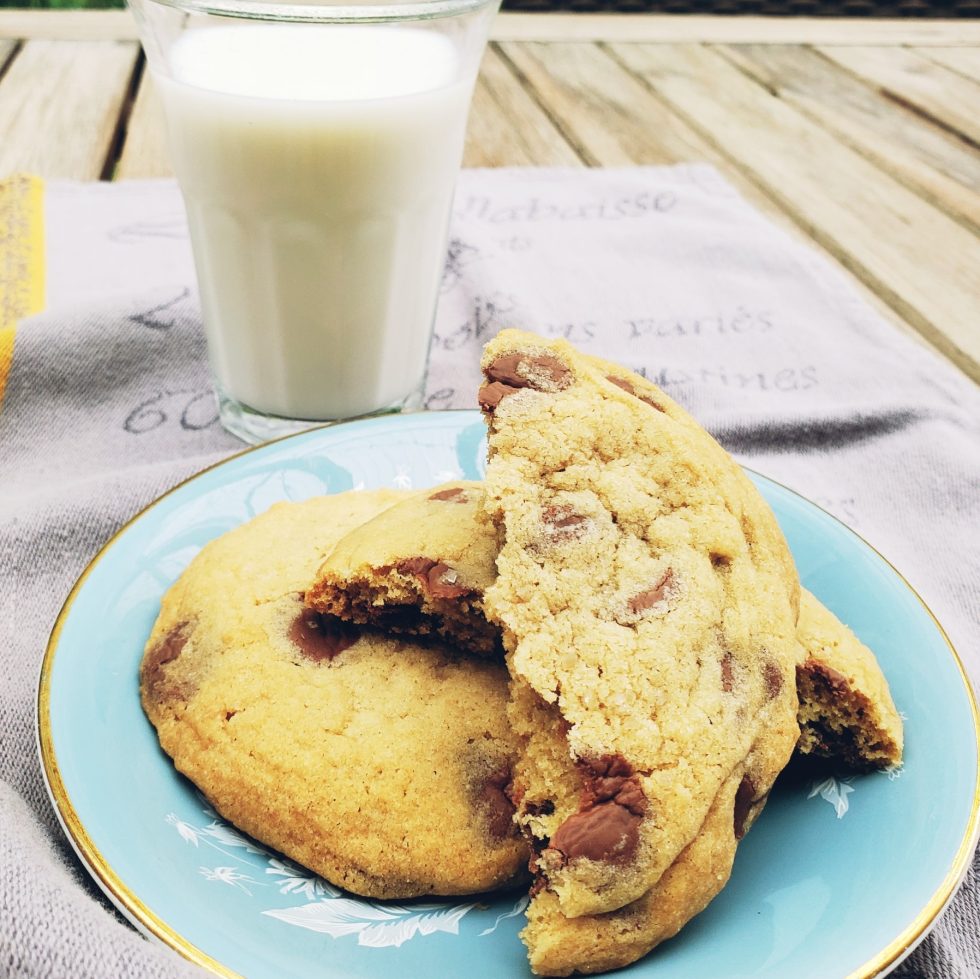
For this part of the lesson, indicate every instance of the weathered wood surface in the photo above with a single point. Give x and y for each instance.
(606, 112)
(914, 80)
(60, 106)
(98, 25)
(7, 48)
(509, 127)
(144, 148)
(862, 137)
(927, 158)
(612, 118)
(966, 61)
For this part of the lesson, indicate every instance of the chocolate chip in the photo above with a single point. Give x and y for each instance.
(562, 523)
(727, 676)
(627, 386)
(826, 677)
(455, 494)
(607, 826)
(604, 766)
(490, 395)
(321, 637)
(772, 679)
(443, 582)
(720, 561)
(611, 777)
(420, 566)
(631, 797)
(498, 807)
(651, 596)
(504, 370)
(606, 831)
(438, 579)
(562, 517)
(512, 372)
(167, 649)
(621, 382)
(538, 371)
(744, 798)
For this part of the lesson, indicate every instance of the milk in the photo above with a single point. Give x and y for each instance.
(317, 164)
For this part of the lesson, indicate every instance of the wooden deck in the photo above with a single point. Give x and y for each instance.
(862, 136)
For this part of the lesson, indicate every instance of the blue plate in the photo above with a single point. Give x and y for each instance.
(840, 877)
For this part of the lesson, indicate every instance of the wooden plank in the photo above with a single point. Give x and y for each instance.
(68, 25)
(144, 152)
(964, 61)
(920, 261)
(91, 25)
(738, 29)
(507, 127)
(613, 119)
(935, 91)
(59, 106)
(7, 48)
(606, 113)
(930, 160)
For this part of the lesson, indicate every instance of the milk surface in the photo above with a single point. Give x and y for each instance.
(317, 164)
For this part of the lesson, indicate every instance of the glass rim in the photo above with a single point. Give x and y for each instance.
(326, 11)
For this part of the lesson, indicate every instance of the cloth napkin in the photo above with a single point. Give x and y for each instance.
(107, 402)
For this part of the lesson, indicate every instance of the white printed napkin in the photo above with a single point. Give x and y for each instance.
(105, 402)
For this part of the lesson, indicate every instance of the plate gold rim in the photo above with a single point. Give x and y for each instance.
(137, 912)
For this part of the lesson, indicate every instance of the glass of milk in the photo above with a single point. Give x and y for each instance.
(316, 145)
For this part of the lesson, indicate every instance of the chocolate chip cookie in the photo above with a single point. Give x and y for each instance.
(376, 762)
(648, 605)
(846, 709)
(416, 568)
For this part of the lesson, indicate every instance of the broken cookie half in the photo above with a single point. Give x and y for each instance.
(846, 709)
(647, 604)
(416, 569)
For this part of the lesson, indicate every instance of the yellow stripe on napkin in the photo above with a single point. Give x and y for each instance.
(21, 260)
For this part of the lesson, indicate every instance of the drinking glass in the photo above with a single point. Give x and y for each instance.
(316, 145)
